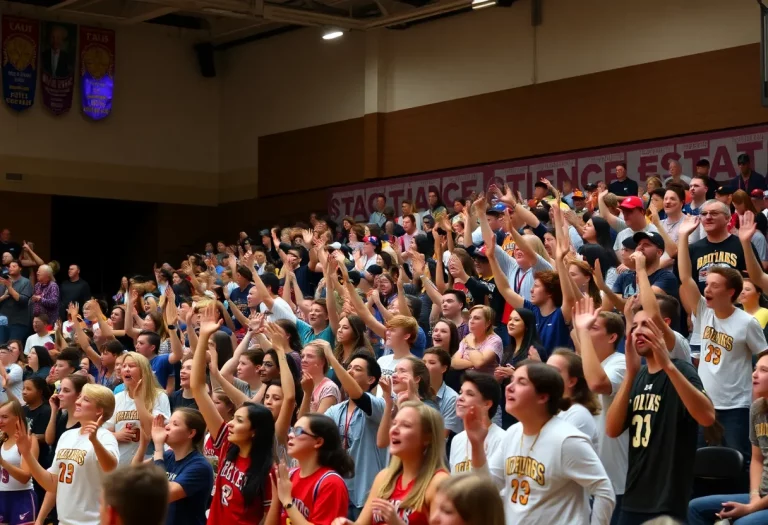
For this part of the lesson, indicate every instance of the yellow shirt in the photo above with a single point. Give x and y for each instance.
(762, 316)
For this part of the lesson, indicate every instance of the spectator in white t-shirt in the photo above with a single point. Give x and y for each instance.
(41, 335)
(729, 338)
(12, 375)
(267, 287)
(633, 210)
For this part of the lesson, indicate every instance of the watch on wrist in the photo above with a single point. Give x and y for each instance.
(171, 327)
(288, 506)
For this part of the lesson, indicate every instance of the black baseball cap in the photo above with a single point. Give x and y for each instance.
(654, 237)
(540, 184)
(629, 243)
(591, 186)
(725, 189)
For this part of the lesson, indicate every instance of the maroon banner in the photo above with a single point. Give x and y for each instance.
(58, 49)
(97, 71)
(20, 46)
(643, 159)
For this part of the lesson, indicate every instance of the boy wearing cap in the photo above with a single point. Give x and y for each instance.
(633, 210)
(747, 179)
(663, 281)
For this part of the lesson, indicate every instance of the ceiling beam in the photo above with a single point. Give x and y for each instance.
(149, 15)
(63, 3)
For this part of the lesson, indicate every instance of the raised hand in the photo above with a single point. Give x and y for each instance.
(658, 346)
(171, 312)
(639, 259)
(584, 313)
(23, 440)
(307, 236)
(208, 323)
(418, 264)
(91, 429)
(688, 225)
(631, 356)
(476, 430)
(159, 434)
(386, 387)
(256, 322)
(747, 227)
(307, 385)
(73, 311)
(533, 354)
(480, 204)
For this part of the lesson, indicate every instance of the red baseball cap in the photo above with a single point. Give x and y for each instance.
(632, 202)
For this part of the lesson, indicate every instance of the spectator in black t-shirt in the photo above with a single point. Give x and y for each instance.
(718, 248)
(183, 396)
(662, 403)
(7, 245)
(623, 186)
(73, 290)
(702, 170)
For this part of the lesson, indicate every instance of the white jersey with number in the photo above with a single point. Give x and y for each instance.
(545, 479)
(725, 363)
(126, 415)
(79, 476)
(461, 449)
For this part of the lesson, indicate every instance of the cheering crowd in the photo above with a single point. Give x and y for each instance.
(495, 360)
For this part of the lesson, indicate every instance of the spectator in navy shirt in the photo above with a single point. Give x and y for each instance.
(239, 296)
(663, 281)
(546, 294)
(747, 179)
(190, 475)
(623, 186)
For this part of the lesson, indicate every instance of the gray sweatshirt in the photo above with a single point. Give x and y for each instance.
(17, 312)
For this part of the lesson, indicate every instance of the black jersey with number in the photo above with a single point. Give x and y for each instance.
(662, 444)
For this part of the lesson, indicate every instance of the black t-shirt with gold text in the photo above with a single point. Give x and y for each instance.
(662, 444)
(706, 254)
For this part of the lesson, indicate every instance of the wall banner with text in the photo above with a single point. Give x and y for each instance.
(644, 160)
(58, 51)
(20, 44)
(97, 71)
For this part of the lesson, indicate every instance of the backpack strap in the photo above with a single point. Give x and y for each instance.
(328, 474)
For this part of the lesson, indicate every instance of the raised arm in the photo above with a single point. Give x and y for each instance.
(670, 248)
(208, 326)
(605, 213)
(130, 331)
(502, 284)
(747, 229)
(382, 435)
(689, 290)
(367, 317)
(280, 345)
(585, 316)
(649, 302)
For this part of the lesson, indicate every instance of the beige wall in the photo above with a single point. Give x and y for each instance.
(177, 137)
(159, 144)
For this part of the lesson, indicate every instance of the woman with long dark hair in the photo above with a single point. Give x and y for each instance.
(445, 335)
(523, 337)
(580, 405)
(351, 338)
(598, 231)
(39, 363)
(17, 495)
(314, 492)
(242, 491)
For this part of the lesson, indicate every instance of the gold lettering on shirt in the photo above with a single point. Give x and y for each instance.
(717, 258)
(127, 415)
(646, 402)
(72, 454)
(464, 466)
(721, 339)
(527, 467)
(761, 430)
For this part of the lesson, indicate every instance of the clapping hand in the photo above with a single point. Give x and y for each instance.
(208, 323)
(159, 434)
(747, 227)
(688, 225)
(584, 313)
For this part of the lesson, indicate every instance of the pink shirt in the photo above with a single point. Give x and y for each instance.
(492, 342)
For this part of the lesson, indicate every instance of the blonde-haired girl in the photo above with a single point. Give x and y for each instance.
(137, 405)
(404, 491)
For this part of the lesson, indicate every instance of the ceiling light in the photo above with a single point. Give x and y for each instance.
(332, 34)
(479, 4)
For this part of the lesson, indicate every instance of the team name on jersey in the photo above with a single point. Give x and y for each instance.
(127, 415)
(528, 467)
(72, 454)
(717, 258)
(647, 402)
(404, 513)
(232, 474)
(464, 466)
(301, 507)
(724, 340)
(761, 429)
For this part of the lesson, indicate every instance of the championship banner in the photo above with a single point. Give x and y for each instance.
(97, 70)
(20, 45)
(58, 49)
(643, 159)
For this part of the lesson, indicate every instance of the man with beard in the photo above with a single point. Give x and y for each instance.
(662, 403)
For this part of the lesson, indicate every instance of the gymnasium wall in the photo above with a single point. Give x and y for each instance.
(159, 144)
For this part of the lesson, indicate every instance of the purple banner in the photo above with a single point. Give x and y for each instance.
(97, 71)
(58, 49)
(19, 49)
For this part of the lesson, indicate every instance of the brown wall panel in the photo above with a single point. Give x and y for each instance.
(28, 216)
(672, 97)
(690, 94)
(311, 158)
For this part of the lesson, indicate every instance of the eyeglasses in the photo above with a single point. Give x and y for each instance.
(267, 364)
(710, 213)
(298, 432)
